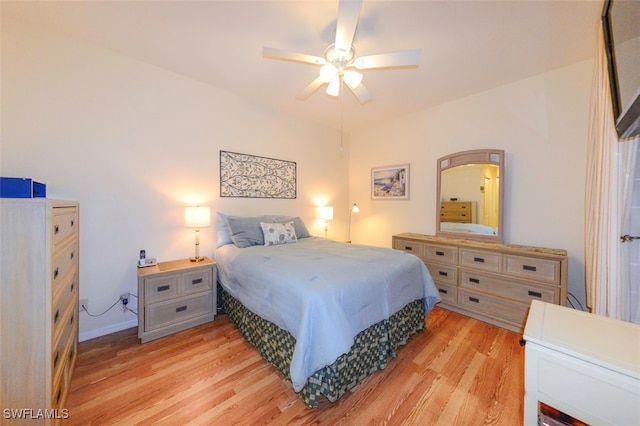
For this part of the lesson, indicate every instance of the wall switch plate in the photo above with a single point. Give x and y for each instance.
(85, 303)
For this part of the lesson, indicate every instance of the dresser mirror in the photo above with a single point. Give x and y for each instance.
(470, 195)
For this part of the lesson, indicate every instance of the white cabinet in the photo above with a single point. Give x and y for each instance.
(584, 365)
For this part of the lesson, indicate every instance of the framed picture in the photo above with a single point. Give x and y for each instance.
(251, 176)
(390, 183)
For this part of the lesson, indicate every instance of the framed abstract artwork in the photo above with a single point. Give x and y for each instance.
(251, 176)
(390, 183)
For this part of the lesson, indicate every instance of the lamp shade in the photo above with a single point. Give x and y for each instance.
(197, 217)
(325, 213)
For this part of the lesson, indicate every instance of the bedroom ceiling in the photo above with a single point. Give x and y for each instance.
(467, 46)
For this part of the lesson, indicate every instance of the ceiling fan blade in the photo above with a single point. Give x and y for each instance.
(360, 92)
(348, 15)
(404, 58)
(308, 91)
(273, 53)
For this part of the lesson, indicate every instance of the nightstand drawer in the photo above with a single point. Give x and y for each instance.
(443, 274)
(175, 311)
(532, 268)
(480, 260)
(161, 288)
(441, 254)
(197, 281)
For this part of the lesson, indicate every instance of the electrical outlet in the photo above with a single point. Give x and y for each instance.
(85, 303)
(125, 298)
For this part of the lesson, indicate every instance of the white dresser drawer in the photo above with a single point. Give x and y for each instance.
(64, 259)
(61, 301)
(523, 292)
(504, 309)
(484, 260)
(443, 274)
(448, 293)
(409, 246)
(64, 223)
(174, 311)
(441, 254)
(532, 268)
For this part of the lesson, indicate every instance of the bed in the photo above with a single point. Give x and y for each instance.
(471, 228)
(325, 314)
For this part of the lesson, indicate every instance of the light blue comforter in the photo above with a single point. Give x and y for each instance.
(323, 292)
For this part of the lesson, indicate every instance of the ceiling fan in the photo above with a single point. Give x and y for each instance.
(339, 58)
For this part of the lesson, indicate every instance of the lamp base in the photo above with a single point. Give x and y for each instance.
(196, 259)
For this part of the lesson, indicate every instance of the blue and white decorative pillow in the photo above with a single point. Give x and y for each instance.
(278, 233)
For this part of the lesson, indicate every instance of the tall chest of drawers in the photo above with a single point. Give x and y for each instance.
(39, 306)
(488, 281)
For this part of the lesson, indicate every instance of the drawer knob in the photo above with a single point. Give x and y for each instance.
(529, 268)
(196, 281)
(181, 309)
(474, 280)
(478, 259)
(408, 248)
(442, 290)
(56, 229)
(72, 255)
(164, 287)
(474, 300)
(443, 273)
(439, 253)
(56, 316)
(72, 223)
(55, 359)
(72, 286)
(535, 294)
(56, 272)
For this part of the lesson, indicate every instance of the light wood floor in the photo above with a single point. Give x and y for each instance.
(458, 372)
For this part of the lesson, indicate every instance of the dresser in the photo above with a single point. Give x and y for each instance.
(174, 296)
(39, 306)
(458, 211)
(580, 364)
(492, 282)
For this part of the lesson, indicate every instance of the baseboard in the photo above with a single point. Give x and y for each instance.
(87, 335)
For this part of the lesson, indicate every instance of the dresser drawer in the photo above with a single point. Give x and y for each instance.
(174, 311)
(61, 345)
(68, 289)
(62, 377)
(476, 259)
(524, 292)
(532, 268)
(409, 246)
(197, 281)
(63, 261)
(64, 223)
(441, 254)
(506, 310)
(448, 293)
(443, 274)
(161, 288)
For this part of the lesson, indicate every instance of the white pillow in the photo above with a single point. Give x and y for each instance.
(278, 233)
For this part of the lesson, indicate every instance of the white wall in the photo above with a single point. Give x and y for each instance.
(540, 122)
(134, 144)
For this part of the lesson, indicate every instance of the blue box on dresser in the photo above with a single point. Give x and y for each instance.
(11, 187)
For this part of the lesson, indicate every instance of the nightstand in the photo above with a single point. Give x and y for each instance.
(174, 296)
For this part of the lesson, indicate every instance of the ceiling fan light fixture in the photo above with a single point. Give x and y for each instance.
(334, 87)
(352, 78)
(328, 72)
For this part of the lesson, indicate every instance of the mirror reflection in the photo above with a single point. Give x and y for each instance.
(470, 194)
